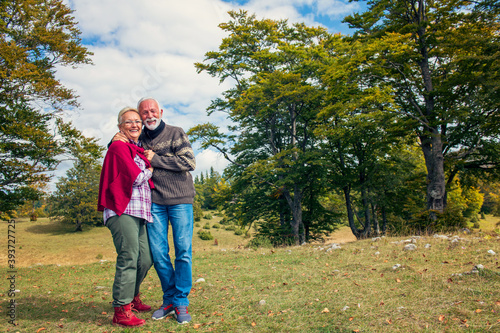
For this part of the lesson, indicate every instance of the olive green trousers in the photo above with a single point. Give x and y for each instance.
(133, 259)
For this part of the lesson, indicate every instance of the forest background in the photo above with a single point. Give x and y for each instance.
(391, 130)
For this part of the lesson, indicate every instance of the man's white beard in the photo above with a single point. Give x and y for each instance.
(152, 127)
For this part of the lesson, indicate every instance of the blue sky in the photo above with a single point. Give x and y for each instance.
(149, 47)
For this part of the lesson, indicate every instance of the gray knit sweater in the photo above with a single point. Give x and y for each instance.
(172, 163)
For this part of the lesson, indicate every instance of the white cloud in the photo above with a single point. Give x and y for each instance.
(207, 159)
(149, 47)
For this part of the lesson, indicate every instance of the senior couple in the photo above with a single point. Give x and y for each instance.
(145, 183)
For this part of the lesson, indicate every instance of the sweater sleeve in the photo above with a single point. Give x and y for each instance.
(182, 158)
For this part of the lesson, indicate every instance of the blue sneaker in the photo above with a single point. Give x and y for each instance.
(163, 311)
(182, 315)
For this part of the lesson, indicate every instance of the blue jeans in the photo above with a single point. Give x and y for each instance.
(175, 283)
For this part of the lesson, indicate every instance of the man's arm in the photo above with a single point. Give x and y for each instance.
(118, 137)
(181, 160)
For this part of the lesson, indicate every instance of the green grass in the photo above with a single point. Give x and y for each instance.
(303, 289)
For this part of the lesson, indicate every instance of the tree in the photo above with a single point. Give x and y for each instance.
(441, 60)
(273, 103)
(75, 198)
(36, 37)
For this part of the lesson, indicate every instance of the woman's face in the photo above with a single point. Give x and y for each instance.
(131, 125)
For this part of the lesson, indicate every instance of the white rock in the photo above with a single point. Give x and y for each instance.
(396, 266)
(428, 246)
(491, 252)
(441, 236)
(262, 302)
(199, 280)
(410, 247)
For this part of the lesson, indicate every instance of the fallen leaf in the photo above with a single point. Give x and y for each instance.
(325, 310)
(478, 310)
(389, 321)
(497, 302)
(254, 324)
(40, 329)
(398, 280)
(441, 318)
(351, 318)
(196, 326)
(104, 313)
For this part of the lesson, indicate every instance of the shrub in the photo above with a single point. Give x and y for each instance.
(197, 225)
(206, 226)
(207, 216)
(216, 226)
(260, 241)
(238, 231)
(230, 228)
(205, 235)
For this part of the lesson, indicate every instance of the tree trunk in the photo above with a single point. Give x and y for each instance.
(295, 204)
(432, 148)
(366, 206)
(376, 226)
(431, 141)
(384, 221)
(350, 213)
(78, 226)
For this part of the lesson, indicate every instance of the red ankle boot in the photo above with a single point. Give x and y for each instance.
(139, 306)
(124, 317)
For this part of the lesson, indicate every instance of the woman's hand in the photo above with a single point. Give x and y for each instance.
(149, 154)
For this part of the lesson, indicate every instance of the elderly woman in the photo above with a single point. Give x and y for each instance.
(125, 197)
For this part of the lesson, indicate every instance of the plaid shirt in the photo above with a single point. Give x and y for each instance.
(140, 202)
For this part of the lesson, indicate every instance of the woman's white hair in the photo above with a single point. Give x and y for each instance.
(125, 110)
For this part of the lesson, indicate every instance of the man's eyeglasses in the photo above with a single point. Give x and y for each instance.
(130, 122)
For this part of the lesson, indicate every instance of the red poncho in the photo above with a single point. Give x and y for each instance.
(119, 171)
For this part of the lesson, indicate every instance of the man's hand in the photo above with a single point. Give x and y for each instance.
(120, 137)
(149, 154)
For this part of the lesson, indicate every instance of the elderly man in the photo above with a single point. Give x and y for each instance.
(170, 153)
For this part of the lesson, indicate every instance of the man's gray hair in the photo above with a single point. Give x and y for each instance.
(147, 99)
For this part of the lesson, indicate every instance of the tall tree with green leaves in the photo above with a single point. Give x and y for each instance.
(36, 37)
(273, 104)
(75, 199)
(441, 61)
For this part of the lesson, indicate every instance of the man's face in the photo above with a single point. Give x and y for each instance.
(150, 114)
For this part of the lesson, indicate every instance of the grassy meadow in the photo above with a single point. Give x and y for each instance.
(63, 281)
